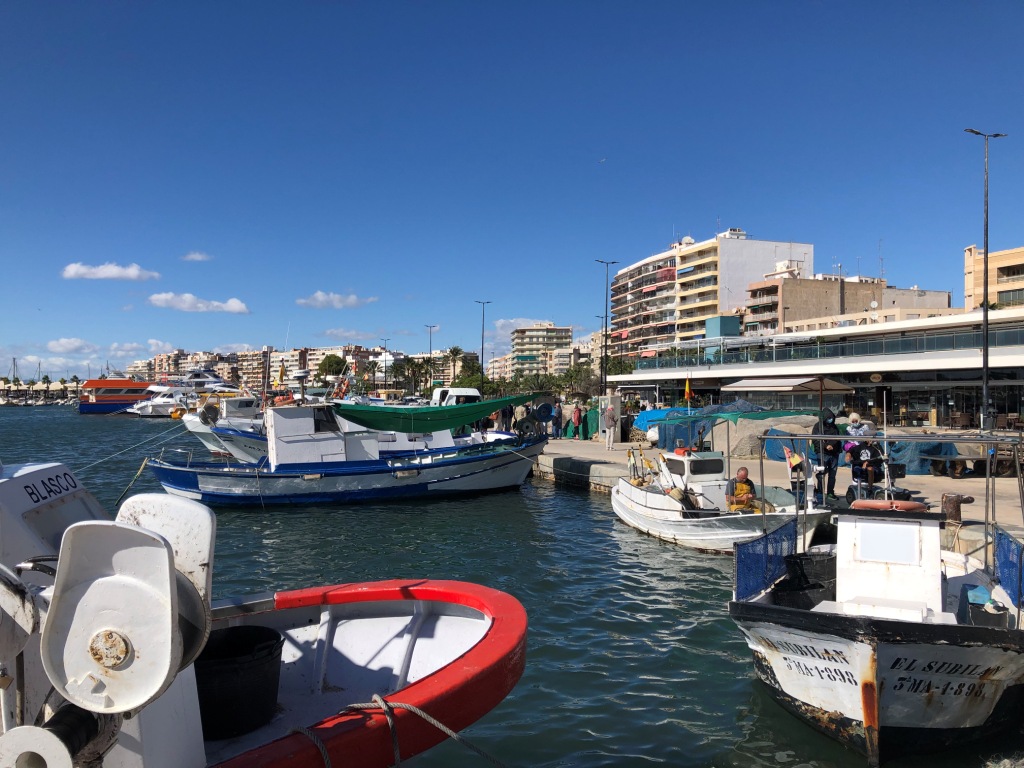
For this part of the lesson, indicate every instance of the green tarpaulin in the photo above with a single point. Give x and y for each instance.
(410, 418)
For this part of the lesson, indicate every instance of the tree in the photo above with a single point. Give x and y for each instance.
(333, 365)
(618, 366)
(454, 355)
(370, 375)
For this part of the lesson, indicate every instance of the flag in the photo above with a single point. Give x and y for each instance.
(687, 394)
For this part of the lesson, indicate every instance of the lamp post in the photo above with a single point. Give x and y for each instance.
(483, 309)
(605, 302)
(983, 421)
(385, 362)
(430, 354)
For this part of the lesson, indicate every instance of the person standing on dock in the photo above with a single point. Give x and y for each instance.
(828, 456)
(577, 419)
(610, 422)
(556, 421)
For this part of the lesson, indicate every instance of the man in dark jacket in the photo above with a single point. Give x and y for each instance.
(828, 455)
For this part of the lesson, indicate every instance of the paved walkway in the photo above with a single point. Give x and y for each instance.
(587, 463)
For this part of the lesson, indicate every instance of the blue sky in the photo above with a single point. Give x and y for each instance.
(221, 176)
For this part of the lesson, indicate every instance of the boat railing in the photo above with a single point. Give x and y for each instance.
(189, 457)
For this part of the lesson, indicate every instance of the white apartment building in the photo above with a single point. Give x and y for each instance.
(533, 348)
(668, 298)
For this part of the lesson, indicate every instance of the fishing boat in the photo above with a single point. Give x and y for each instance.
(890, 640)
(312, 458)
(680, 497)
(241, 412)
(135, 665)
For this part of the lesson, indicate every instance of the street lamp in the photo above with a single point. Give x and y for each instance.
(605, 301)
(385, 362)
(483, 309)
(430, 354)
(984, 290)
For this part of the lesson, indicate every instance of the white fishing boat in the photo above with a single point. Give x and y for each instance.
(313, 458)
(241, 412)
(889, 640)
(681, 498)
(114, 655)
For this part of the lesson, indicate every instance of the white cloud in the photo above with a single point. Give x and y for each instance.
(70, 346)
(187, 302)
(321, 300)
(196, 256)
(156, 346)
(130, 349)
(346, 335)
(227, 349)
(108, 271)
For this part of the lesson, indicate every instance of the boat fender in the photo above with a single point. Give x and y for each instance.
(681, 451)
(890, 504)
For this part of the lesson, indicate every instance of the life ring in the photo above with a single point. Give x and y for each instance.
(284, 399)
(893, 505)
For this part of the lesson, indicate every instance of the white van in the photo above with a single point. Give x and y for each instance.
(455, 396)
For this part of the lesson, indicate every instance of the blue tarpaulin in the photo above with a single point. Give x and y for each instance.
(916, 456)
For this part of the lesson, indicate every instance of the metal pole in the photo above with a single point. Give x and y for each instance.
(983, 420)
(385, 362)
(483, 308)
(606, 306)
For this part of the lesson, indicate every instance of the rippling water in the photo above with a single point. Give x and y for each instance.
(632, 659)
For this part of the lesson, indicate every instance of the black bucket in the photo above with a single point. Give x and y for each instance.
(237, 676)
(807, 567)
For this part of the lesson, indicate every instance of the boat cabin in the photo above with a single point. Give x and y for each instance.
(889, 565)
(312, 434)
(455, 396)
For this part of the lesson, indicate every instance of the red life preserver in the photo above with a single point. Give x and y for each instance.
(890, 504)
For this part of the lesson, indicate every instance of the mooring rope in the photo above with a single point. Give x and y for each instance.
(176, 427)
(137, 474)
(388, 708)
(317, 742)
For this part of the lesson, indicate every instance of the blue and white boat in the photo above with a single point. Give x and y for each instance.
(315, 456)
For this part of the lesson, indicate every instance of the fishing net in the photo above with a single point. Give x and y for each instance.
(917, 457)
(1008, 565)
(761, 562)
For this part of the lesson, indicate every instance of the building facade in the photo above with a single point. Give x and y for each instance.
(668, 298)
(533, 348)
(1005, 277)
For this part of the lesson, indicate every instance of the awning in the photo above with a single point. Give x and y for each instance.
(804, 384)
(648, 353)
(411, 418)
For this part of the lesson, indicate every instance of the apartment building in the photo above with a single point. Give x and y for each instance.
(1005, 277)
(533, 348)
(668, 298)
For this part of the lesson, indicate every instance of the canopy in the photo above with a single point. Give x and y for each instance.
(802, 384)
(412, 418)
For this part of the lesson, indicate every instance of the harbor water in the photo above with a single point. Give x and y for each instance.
(632, 659)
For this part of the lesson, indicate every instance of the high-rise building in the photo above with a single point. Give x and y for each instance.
(533, 348)
(668, 298)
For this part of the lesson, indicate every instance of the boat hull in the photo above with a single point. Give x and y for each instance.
(429, 474)
(886, 687)
(658, 514)
(452, 649)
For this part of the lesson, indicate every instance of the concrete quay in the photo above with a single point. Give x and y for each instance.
(586, 463)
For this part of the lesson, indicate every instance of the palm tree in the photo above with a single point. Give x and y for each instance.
(454, 355)
(399, 371)
(370, 374)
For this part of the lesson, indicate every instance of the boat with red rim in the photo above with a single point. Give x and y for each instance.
(133, 656)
